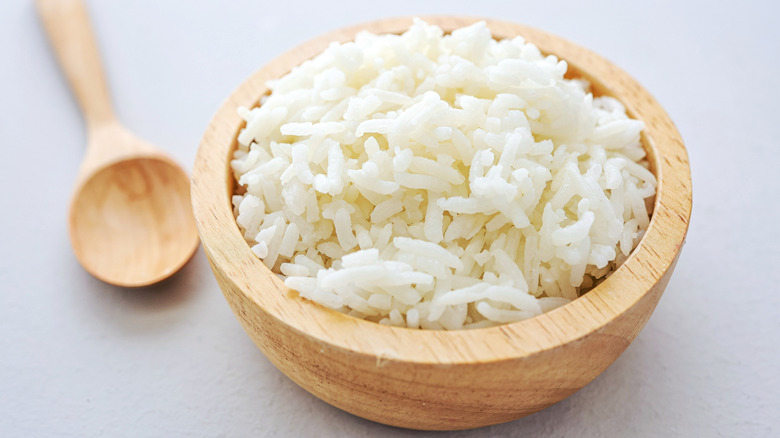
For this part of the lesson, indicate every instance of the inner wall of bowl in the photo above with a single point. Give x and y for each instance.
(597, 88)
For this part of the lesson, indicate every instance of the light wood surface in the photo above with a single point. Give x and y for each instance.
(130, 218)
(438, 379)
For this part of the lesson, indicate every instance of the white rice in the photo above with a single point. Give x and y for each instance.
(440, 181)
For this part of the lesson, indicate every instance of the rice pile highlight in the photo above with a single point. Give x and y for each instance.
(439, 181)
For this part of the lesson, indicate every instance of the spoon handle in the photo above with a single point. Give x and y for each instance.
(70, 33)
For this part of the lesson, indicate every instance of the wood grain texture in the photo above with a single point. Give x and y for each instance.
(130, 218)
(445, 380)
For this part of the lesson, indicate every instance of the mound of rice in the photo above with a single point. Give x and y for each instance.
(439, 181)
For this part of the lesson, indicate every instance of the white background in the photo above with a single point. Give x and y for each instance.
(79, 358)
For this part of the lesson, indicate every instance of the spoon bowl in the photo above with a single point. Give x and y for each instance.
(131, 223)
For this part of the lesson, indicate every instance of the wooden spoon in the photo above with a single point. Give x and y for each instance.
(131, 222)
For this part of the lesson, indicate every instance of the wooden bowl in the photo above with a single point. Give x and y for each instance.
(444, 379)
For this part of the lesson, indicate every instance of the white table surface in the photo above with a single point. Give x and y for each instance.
(79, 358)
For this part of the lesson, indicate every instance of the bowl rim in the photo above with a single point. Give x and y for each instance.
(646, 266)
